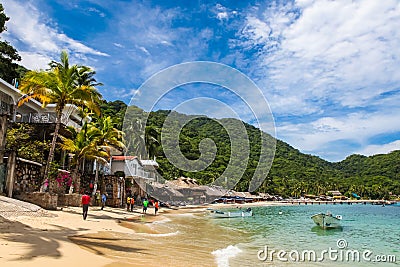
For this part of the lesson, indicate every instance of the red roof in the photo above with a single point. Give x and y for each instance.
(122, 158)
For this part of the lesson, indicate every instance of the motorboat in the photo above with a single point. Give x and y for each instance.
(327, 220)
(231, 214)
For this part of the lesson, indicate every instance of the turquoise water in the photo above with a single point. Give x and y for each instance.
(196, 239)
(369, 233)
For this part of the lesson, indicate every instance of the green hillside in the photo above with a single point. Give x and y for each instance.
(292, 173)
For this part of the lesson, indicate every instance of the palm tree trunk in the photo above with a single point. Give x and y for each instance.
(96, 178)
(74, 179)
(52, 150)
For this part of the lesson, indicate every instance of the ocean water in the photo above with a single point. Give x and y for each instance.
(274, 236)
(286, 236)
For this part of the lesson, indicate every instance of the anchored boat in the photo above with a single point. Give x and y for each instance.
(231, 214)
(327, 220)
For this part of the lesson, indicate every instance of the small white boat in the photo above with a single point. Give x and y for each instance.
(231, 214)
(327, 220)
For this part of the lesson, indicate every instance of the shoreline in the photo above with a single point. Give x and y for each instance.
(62, 237)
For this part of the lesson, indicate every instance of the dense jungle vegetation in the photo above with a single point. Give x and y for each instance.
(292, 173)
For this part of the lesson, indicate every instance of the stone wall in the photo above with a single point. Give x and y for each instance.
(115, 189)
(69, 200)
(28, 181)
(45, 200)
(27, 176)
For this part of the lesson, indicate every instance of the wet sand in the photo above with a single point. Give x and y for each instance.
(37, 237)
(176, 239)
(112, 237)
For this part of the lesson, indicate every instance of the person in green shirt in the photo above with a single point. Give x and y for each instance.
(145, 204)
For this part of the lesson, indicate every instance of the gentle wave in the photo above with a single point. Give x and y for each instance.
(160, 235)
(184, 215)
(165, 220)
(222, 256)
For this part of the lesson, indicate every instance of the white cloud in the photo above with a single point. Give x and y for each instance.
(35, 61)
(118, 45)
(126, 93)
(166, 43)
(335, 61)
(380, 149)
(95, 10)
(144, 50)
(346, 51)
(257, 30)
(355, 127)
(222, 15)
(150, 39)
(32, 30)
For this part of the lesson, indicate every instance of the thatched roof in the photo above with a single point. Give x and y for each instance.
(164, 190)
(213, 191)
(184, 182)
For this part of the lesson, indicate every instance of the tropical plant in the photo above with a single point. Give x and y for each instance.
(82, 145)
(116, 110)
(152, 137)
(292, 173)
(61, 85)
(95, 141)
(19, 139)
(9, 70)
(135, 132)
(107, 138)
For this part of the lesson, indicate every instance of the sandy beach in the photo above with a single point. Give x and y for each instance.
(38, 237)
(112, 237)
(30, 235)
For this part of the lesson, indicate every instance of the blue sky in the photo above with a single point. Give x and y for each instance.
(330, 70)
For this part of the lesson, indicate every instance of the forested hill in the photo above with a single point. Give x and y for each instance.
(292, 173)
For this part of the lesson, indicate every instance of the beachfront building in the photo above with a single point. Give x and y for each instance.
(30, 112)
(137, 173)
(336, 195)
(150, 168)
(142, 180)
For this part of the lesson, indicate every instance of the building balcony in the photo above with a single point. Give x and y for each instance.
(45, 117)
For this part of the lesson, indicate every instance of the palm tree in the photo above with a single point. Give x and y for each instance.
(135, 133)
(82, 145)
(61, 85)
(94, 141)
(107, 138)
(152, 137)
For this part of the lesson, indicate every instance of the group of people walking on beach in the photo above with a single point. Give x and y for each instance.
(130, 203)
